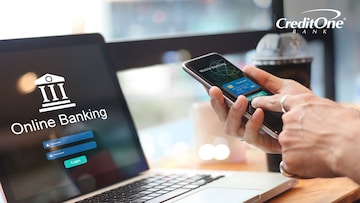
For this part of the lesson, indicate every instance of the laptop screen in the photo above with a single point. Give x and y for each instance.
(65, 129)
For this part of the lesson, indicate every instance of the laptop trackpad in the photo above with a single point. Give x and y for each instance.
(216, 195)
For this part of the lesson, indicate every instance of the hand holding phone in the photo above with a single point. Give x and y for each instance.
(214, 70)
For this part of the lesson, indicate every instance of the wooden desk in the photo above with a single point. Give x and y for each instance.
(310, 190)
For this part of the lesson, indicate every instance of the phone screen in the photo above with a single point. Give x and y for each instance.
(214, 70)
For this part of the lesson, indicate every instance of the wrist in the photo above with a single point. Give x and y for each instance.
(346, 155)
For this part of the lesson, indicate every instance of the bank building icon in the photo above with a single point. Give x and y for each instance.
(53, 93)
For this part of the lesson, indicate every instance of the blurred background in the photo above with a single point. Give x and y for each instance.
(148, 40)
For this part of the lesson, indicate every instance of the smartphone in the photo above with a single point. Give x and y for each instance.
(214, 70)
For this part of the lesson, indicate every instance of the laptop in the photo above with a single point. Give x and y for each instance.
(66, 134)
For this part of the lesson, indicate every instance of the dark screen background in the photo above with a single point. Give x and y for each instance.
(27, 175)
(216, 76)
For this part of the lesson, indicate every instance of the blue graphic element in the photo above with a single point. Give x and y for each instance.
(241, 86)
(71, 150)
(68, 139)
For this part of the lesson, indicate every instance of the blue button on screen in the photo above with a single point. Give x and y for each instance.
(70, 150)
(68, 139)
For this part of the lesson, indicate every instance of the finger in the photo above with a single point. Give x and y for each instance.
(263, 78)
(284, 170)
(252, 127)
(218, 103)
(262, 141)
(233, 124)
(270, 103)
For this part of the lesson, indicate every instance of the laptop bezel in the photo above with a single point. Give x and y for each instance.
(38, 43)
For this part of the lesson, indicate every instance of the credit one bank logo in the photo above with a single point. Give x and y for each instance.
(313, 25)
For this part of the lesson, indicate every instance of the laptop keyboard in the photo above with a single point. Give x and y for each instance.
(156, 188)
